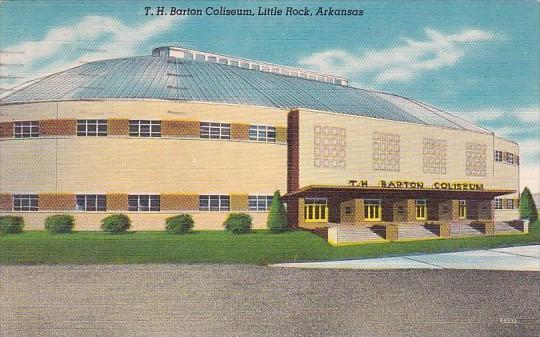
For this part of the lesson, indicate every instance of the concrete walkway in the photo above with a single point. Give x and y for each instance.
(525, 258)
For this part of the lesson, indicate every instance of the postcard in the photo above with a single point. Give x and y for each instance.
(269, 168)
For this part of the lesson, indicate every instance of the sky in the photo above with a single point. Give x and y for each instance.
(476, 59)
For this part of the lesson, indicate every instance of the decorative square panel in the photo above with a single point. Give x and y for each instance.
(329, 147)
(475, 159)
(385, 151)
(434, 151)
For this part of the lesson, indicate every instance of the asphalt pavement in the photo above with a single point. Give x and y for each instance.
(241, 300)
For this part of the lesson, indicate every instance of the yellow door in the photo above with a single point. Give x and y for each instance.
(463, 209)
(316, 210)
(372, 210)
(421, 209)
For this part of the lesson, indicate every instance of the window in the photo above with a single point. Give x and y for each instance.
(144, 128)
(510, 158)
(91, 202)
(498, 156)
(91, 127)
(144, 203)
(262, 133)
(316, 210)
(214, 203)
(28, 129)
(510, 203)
(372, 210)
(215, 130)
(463, 209)
(25, 202)
(260, 202)
(498, 204)
(421, 209)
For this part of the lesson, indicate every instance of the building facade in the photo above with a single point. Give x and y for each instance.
(184, 131)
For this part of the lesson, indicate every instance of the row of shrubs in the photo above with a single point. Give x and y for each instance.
(236, 223)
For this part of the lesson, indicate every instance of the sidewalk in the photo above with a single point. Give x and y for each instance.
(524, 258)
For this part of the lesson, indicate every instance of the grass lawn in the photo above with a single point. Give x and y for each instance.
(259, 247)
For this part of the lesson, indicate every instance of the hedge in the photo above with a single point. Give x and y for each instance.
(11, 224)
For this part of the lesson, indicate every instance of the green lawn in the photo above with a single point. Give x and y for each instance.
(260, 247)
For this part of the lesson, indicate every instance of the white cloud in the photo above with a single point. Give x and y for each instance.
(92, 38)
(510, 123)
(401, 63)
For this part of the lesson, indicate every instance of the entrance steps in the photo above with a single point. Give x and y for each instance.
(417, 232)
(507, 227)
(347, 235)
(463, 229)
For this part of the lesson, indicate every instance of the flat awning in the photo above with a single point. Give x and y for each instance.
(406, 193)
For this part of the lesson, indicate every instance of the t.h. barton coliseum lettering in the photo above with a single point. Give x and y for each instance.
(418, 185)
(185, 131)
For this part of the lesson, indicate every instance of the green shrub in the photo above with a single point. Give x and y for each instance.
(238, 223)
(179, 224)
(277, 217)
(11, 224)
(116, 223)
(61, 223)
(527, 207)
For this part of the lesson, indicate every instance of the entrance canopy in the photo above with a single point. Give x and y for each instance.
(346, 191)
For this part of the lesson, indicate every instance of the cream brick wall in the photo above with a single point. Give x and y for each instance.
(120, 164)
(140, 221)
(144, 109)
(142, 165)
(359, 132)
(359, 153)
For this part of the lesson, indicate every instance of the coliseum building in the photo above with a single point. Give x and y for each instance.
(183, 131)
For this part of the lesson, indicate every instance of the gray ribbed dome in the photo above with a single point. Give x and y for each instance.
(168, 78)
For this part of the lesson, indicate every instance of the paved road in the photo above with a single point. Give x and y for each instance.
(523, 258)
(238, 300)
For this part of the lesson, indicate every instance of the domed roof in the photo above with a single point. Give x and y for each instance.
(177, 79)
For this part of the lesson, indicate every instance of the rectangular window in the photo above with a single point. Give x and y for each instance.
(498, 156)
(29, 129)
(510, 158)
(91, 202)
(260, 202)
(91, 127)
(214, 203)
(498, 204)
(144, 128)
(144, 203)
(372, 210)
(262, 133)
(510, 203)
(25, 202)
(421, 209)
(316, 210)
(215, 130)
(463, 209)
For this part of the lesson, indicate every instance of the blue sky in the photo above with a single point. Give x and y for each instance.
(477, 59)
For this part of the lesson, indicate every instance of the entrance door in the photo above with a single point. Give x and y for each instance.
(316, 210)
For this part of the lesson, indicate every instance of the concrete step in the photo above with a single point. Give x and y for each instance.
(505, 227)
(359, 234)
(465, 230)
(419, 232)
